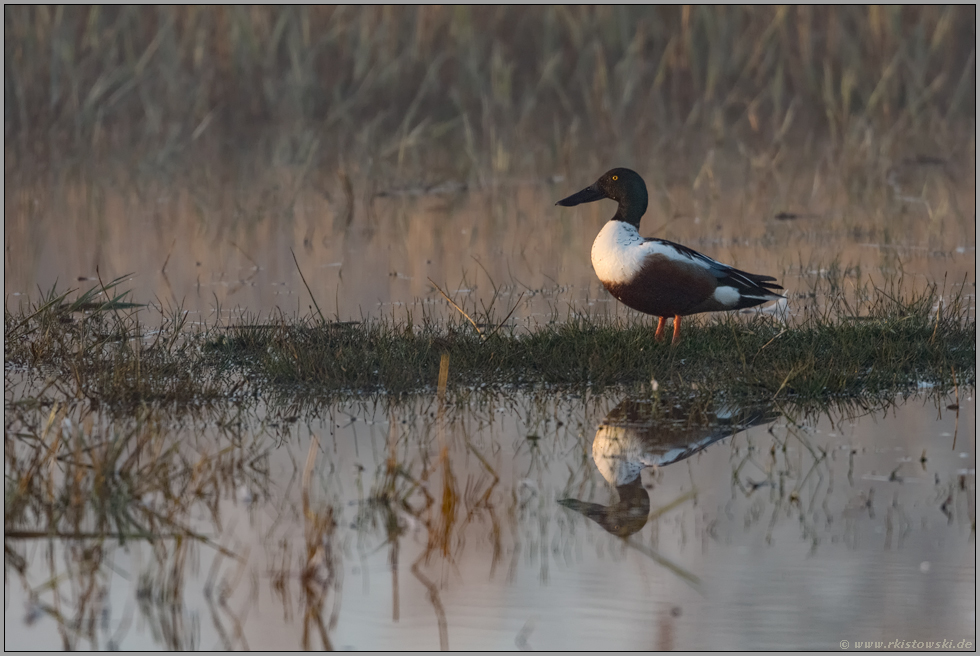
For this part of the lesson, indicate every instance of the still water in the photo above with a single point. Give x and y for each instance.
(511, 519)
(220, 242)
(543, 521)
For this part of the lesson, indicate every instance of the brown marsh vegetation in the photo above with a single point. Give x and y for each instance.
(349, 441)
(470, 87)
(207, 142)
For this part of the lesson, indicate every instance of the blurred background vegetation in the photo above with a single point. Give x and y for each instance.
(490, 89)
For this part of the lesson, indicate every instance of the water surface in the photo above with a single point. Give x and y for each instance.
(489, 522)
(796, 532)
(221, 238)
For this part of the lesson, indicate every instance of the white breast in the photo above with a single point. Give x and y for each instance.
(622, 452)
(617, 452)
(619, 251)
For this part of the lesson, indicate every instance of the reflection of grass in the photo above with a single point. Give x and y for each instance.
(318, 575)
(85, 484)
(400, 492)
(873, 342)
(91, 462)
(81, 478)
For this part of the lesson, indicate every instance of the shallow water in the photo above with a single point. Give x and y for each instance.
(797, 532)
(479, 525)
(219, 239)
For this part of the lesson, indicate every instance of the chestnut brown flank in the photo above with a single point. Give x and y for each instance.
(666, 287)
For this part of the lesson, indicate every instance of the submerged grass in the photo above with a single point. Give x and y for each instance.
(877, 341)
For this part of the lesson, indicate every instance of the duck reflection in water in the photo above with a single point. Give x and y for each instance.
(643, 432)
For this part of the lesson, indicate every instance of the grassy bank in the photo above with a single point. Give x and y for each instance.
(887, 343)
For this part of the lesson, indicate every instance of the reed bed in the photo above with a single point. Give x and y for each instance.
(484, 90)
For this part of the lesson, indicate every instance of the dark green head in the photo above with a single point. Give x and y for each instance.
(622, 519)
(624, 186)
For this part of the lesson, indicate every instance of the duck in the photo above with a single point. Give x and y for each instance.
(642, 433)
(657, 276)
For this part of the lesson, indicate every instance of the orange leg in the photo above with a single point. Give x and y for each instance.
(677, 331)
(659, 335)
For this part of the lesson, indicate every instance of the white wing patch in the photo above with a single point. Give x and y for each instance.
(728, 296)
(619, 252)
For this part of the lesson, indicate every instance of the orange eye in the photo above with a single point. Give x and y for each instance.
(615, 177)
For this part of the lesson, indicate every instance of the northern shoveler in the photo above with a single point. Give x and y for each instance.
(656, 276)
(640, 433)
